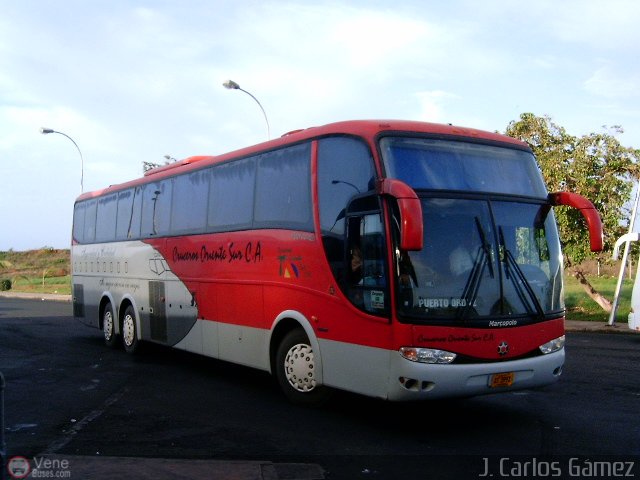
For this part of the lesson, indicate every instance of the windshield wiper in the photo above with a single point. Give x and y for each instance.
(519, 280)
(482, 260)
(486, 247)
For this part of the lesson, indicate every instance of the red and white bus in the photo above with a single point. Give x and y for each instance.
(395, 259)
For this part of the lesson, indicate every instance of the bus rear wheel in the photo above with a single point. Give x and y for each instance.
(295, 370)
(109, 326)
(129, 331)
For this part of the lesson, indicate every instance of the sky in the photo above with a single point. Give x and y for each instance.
(134, 80)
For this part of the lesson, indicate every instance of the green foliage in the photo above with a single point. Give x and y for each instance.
(27, 269)
(5, 285)
(581, 307)
(596, 166)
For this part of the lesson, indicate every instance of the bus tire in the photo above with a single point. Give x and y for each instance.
(294, 370)
(109, 326)
(129, 332)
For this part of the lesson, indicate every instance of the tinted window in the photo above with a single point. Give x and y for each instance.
(136, 214)
(106, 222)
(231, 194)
(78, 221)
(90, 221)
(344, 170)
(283, 189)
(190, 193)
(125, 211)
(156, 208)
(450, 165)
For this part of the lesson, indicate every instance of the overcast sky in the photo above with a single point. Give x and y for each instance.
(132, 80)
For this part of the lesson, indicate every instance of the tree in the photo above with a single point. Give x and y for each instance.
(596, 166)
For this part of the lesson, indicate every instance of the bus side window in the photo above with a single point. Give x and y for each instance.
(345, 170)
(123, 218)
(90, 221)
(78, 221)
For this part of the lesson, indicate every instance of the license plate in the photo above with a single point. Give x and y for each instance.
(498, 380)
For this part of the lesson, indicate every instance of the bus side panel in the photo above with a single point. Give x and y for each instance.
(78, 300)
(134, 270)
(242, 336)
(180, 309)
(355, 368)
(87, 285)
(85, 308)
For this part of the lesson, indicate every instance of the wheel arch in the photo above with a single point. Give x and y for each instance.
(283, 324)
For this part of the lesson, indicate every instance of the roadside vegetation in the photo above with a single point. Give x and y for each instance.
(47, 271)
(582, 307)
(596, 166)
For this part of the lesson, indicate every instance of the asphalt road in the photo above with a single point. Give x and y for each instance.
(68, 394)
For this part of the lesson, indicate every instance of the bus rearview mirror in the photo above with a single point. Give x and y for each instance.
(588, 211)
(411, 225)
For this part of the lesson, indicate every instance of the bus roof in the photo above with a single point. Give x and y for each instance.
(368, 129)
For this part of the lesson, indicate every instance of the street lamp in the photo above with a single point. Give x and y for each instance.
(231, 85)
(46, 131)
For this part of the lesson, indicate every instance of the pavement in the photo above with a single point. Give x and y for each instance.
(115, 468)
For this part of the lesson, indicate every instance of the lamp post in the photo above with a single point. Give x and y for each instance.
(231, 85)
(46, 131)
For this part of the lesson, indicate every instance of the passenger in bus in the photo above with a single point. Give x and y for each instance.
(356, 277)
(460, 260)
(408, 276)
(356, 265)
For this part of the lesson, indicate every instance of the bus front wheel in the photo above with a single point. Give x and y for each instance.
(295, 370)
(129, 332)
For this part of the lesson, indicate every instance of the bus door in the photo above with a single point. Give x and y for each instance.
(367, 285)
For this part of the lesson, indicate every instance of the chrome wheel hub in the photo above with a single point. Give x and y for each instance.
(128, 330)
(107, 325)
(298, 367)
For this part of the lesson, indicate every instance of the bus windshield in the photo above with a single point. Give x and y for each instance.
(426, 163)
(490, 255)
(483, 259)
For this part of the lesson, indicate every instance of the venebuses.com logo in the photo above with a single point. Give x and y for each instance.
(18, 467)
(41, 467)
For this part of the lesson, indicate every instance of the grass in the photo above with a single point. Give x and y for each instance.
(581, 307)
(27, 269)
(45, 270)
(60, 285)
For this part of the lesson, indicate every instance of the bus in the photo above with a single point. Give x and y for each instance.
(395, 259)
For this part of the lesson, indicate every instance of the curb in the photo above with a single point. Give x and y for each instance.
(55, 297)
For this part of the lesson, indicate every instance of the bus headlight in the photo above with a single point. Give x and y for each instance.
(553, 345)
(427, 355)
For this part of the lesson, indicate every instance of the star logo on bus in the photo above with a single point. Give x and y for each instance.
(503, 349)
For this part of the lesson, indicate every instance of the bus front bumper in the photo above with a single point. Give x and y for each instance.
(418, 381)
